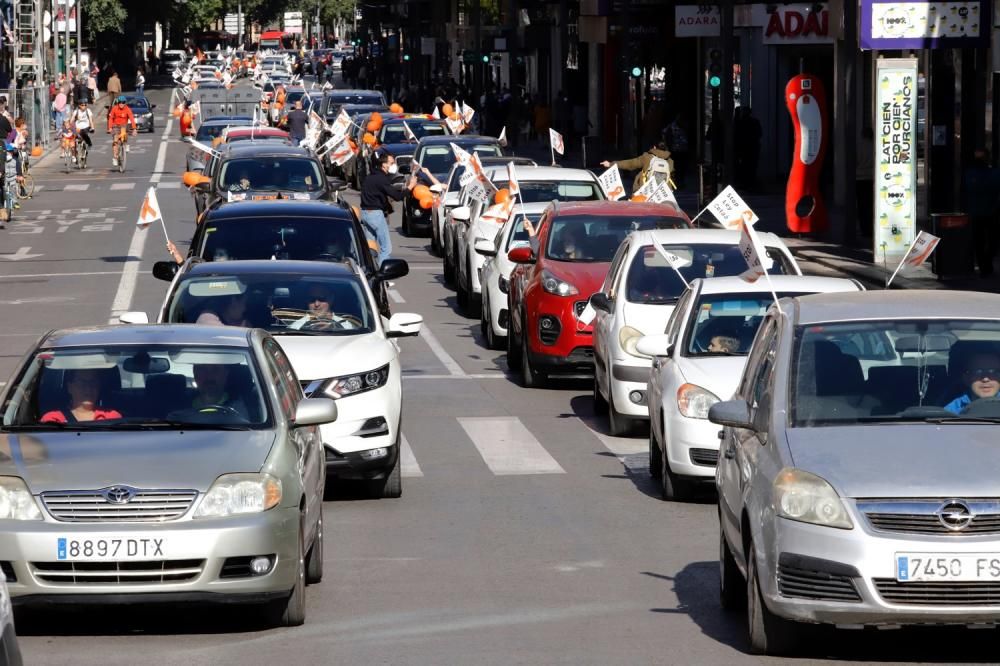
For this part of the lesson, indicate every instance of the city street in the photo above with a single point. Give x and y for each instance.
(525, 534)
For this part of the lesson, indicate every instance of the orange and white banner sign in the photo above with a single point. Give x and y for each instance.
(342, 153)
(556, 141)
(462, 156)
(753, 253)
(611, 183)
(341, 124)
(921, 249)
(663, 194)
(455, 125)
(150, 211)
(731, 210)
(512, 184)
(502, 139)
(498, 213)
(467, 113)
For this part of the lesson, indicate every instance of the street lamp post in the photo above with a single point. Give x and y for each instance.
(239, 23)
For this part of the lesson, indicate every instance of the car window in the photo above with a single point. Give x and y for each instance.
(536, 191)
(596, 237)
(749, 378)
(726, 324)
(285, 383)
(170, 385)
(396, 133)
(294, 174)
(281, 238)
(518, 234)
(613, 272)
(676, 320)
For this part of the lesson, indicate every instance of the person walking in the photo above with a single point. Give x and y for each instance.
(60, 104)
(981, 185)
(643, 163)
(376, 192)
(114, 88)
(297, 120)
(140, 82)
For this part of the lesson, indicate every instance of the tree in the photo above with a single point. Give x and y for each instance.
(103, 16)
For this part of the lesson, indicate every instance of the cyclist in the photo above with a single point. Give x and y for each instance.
(119, 119)
(83, 121)
(67, 138)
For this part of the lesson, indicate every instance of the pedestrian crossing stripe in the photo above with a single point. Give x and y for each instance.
(76, 187)
(122, 186)
(169, 185)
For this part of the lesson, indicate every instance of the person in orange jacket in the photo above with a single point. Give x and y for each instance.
(120, 116)
(187, 121)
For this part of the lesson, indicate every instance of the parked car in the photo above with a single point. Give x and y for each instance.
(640, 293)
(858, 465)
(333, 100)
(697, 362)
(200, 478)
(325, 318)
(550, 287)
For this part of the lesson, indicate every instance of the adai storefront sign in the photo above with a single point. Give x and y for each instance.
(798, 24)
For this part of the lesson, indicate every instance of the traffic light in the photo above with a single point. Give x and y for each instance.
(406, 57)
(636, 72)
(486, 59)
(715, 68)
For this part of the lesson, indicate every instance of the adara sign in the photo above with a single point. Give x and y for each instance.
(798, 24)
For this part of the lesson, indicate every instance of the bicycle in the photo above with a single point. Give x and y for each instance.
(82, 150)
(26, 186)
(121, 140)
(69, 147)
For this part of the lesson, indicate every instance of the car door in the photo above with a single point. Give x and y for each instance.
(603, 321)
(665, 376)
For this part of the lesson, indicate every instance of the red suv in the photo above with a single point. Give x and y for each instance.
(554, 277)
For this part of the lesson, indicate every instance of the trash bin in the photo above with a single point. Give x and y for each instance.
(954, 256)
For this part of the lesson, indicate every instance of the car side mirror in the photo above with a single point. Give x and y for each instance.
(195, 178)
(654, 345)
(314, 411)
(404, 325)
(485, 247)
(133, 318)
(337, 184)
(152, 106)
(165, 270)
(521, 255)
(461, 213)
(600, 301)
(732, 413)
(392, 269)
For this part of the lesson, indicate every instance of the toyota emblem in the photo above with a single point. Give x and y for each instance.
(955, 515)
(118, 494)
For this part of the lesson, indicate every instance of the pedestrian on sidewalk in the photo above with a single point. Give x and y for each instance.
(59, 104)
(981, 184)
(375, 195)
(114, 89)
(642, 163)
(140, 82)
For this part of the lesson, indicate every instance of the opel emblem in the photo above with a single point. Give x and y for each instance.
(955, 515)
(118, 494)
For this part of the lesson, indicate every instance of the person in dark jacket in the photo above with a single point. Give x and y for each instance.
(297, 120)
(981, 183)
(375, 195)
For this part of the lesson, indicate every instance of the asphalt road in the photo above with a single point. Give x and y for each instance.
(524, 534)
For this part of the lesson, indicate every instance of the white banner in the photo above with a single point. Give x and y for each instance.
(663, 194)
(512, 184)
(895, 156)
(611, 183)
(730, 209)
(556, 141)
(753, 253)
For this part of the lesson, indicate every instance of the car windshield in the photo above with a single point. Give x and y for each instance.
(294, 174)
(589, 238)
(725, 324)
(895, 371)
(518, 234)
(439, 158)
(651, 279)
(280, 238)
(282, 304)
(207, 132)
(171, 386)
(139, 104)
(339, 99)
(396, 133)
(541, 191)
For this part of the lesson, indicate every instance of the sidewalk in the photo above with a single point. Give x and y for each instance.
(855, 262)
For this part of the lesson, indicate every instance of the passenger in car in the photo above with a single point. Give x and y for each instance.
(723, 343)
(84, 388)
(982, 375)
(231, 312)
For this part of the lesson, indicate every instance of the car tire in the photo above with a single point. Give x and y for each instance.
(493, 341)
(449, 270)
(513, 351)
(619, 425)
(314, 559)
(291, 611)
(672, 487)
(435, 239)
(600, 404)
(768, 633)
(391, 486)
(405, 227)
(655, 455)
(732, 587)
(530, 378)
(461, 295)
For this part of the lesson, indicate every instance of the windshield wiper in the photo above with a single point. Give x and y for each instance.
(296, 331)
(51, 425)
(963, 419)
(170, 423)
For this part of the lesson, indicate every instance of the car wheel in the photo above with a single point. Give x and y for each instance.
(655, 464)
(435, 240)
(671, 486)
(392, 485)
(314, 560)
(530, 377)
(461, 294)
(732, 587)
(291, 611)
(406, 223)
(484, 322)
(493, 341)
(513, 351)
(449, 270)
(768, 633)
(600, 404)
(619, 425)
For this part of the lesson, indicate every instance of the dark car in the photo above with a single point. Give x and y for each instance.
(393, 139)
(333, 100)
(142, 110)
(207, 132)
(436, 155)
(283, 229)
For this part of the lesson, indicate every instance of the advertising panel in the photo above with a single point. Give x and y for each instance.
(888, 24)
(895, 126)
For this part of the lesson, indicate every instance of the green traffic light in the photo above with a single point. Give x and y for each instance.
(636, 72)
(715, 81)
(486, 59)
(406, 56)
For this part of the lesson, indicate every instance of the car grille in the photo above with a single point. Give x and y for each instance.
(938, 593)
(579, 307)
(707, 457)
(817, 585)
(581, 355)
(921, 517)
(121, 573)
(91, 506)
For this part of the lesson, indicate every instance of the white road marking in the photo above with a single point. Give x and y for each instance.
(508, 447)
(485, 375)
(161, 155)
(395, 296)
(408, 462)
(169, 185)
(123, 186)
(53, 275)
(620, 446)
(446, 360)
(76, 187)
(22, 253)
(39, 188)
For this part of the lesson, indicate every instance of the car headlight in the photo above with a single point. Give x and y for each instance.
(504, 284)
(694, 402)
(238, 494)
(628, 338)
(805, 497)
(556, 285)
(16, 502)
(339, 387)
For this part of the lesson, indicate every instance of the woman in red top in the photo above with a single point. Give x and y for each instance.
(84, 387)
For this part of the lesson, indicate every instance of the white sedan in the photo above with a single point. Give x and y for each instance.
(699, 361)
(497, 268)
(638, 296)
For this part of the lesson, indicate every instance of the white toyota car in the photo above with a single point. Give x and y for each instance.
(698, 362)
(325, 318)
(638, 296)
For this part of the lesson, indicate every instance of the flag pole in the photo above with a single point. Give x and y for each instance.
(663, 251)
(774, 294)
(901, 262)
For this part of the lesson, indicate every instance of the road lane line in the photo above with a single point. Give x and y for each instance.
(408, 465)
(620, 446)
(40, 275)
(508, 447)
(169, 185)
(484, 375)
(446, 360)
(395, 296)
(161, 155)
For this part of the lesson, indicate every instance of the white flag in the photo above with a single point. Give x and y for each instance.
(498, 213)
(556, 141)
(502, 139)
(587, 316)
(920, 250)
(467, 113)
(409, 133)
(196, 108)
(341, 124)
(512, 184)
(203, 147)
(663, 194)
(150, 211)
(611, 183)
(456, 126)
(342, 153)
(753, 253)
(462, 156)
(647, 189)
(435, 114)
(731, 210)
(478, 192)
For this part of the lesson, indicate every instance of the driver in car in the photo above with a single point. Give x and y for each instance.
(982, 375)
(319, 313)
(210, 383)
(242, 181)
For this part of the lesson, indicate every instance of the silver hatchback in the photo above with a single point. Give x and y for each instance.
(859, 478)
(161, 463)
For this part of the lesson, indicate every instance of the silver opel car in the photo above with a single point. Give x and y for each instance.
(859, 482)
(161, 463)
